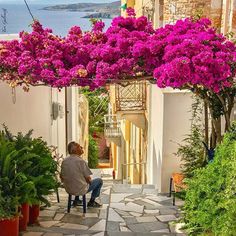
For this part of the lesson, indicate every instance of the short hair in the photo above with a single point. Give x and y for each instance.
(72, 146)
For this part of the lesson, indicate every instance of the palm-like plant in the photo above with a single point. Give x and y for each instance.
(43, 170)
(15, 187)
(8, 198)
(35, 161)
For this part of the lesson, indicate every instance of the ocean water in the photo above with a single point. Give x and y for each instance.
(18, 19)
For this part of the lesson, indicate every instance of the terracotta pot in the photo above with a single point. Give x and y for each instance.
(33, 214)
(24, 218)
(9, 227)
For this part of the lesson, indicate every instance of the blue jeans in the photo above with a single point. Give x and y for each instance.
(95, 186)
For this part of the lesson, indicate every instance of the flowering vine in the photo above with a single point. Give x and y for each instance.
(187, 55)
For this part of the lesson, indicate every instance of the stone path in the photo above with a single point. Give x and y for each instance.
(127, 210)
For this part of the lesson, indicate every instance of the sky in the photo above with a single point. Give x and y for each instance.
(52, 2)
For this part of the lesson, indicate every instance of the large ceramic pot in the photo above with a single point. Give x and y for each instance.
(33, 214)
(9, 227)
(24, 218)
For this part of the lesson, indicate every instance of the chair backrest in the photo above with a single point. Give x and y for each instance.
(178, 181)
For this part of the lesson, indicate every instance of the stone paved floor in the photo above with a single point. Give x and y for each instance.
(127, 210)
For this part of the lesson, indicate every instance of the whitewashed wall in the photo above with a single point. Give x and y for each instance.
(155, 136)
(32, 110)
(169, 122)
(177, 121)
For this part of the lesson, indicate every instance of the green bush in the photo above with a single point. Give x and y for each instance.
(34, 160)
(92, 153)
(210, 204)
(191, 150)
(9, 200)
(8, 206)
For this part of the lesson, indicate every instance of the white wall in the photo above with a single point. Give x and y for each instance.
(155, 135)
(58, 126)
(177, 116)
(169, 121)
(72, 114)
(32, 110)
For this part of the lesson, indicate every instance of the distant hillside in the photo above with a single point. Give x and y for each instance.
(99, 10)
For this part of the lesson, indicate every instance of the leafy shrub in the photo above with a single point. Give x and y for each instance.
(191, 150)
(43, 170)
(210, 204)
(92, 153)
(8, 196)
(8, 205)
(36, 163)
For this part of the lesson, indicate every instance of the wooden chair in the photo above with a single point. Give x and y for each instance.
(177, 181)
(70, 201)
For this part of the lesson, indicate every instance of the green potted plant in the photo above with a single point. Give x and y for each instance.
(39, 167)
(26, 192)
(9, 200)
(44, 171)
(9, 219)
(24, 186)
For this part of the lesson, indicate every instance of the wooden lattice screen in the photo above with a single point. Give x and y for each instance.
(131, 97)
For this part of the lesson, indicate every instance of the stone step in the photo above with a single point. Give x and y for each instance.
(141, 234)
(71, 232)
(135, 188)
(57, 231)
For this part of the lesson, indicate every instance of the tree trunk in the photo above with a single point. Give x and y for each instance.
(227, 105)
(228, 114)
(206, 123)
(227, 121)
(213, 136)
(218, 129)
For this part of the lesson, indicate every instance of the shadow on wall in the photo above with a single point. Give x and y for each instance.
(156, 168)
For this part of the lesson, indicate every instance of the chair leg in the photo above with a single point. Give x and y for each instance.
(58, 198)
(174, 198)
(69, 203)
(171, 180)
(84, 203)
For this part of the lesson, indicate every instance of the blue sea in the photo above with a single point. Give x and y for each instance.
(18, 18)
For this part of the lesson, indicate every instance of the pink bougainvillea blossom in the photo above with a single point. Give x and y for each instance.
(189, 53)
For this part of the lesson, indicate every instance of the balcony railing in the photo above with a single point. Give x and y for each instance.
(131, 97)
(112, 126)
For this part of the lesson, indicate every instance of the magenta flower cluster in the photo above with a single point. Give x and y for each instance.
(193, 54)
(188, 53)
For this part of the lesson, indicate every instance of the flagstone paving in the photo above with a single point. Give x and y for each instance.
(128, 210)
